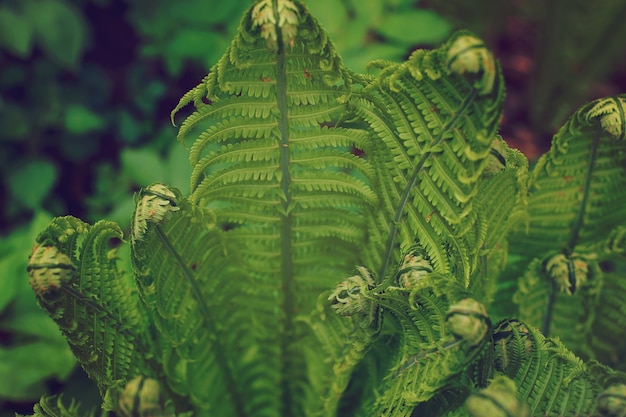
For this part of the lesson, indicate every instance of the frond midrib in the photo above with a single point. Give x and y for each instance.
(580, 216)
(406, 193)
(288, 306)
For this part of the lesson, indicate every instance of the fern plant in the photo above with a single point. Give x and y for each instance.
(351, 245)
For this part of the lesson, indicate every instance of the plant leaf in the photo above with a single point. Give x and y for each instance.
(79, 120)
(189, 278)
(16, 32)
(415, 27)
(577, 211)
(267, 114)
(93, 304)
(435, 118)
(25, 368)
(59, 29)
(31, 182)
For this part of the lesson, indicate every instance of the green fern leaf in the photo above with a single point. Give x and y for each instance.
(607, 341)
(94, 305)
(552, 380)
(189, 278)
(281, 176)
(500, 205)
(577, 212)
(342, 348)
(565, 311)
(434, 345)
(54, 407)
(432, 150)
(576, 190)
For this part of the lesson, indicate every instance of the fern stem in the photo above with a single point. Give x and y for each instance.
(286, 232)
(220, 356)
(413, 181)
(578, 223)
(547, 319)
(577, 226)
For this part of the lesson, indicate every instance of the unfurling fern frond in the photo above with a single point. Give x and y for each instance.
(75, 276)
(415, 266)
(54, 407)
(432, 151)
(351, 296)
(189, 279)
(155, 204)
(576, 190)
(549, 377)
(441, 332)
(577, 210)
(468, 321)
(142, 397)
(612, 401)
(499, 399)
(48, 269)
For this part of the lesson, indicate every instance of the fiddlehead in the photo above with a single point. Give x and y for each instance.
(351, 297)
(612, 401)
(155, 204)
(415, 266)
(142, 397)
(551, 379)
(499, 399)
(49, 269)
(468, 321)
(569, 272)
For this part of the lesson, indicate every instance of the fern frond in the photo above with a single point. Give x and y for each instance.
(500, 397)
(551, 379)
(576, 190)
(432, 149)
(95, 307)
(606, 337)
(188, 277)
(54, 407)
(282, 179)
(434, 345)
(542, 304)
(577, 209)
(500, 204)
(344, 345)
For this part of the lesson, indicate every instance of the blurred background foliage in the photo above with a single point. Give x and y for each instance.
(86, 87)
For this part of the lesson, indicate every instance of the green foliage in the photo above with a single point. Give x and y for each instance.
(54, 407)
(184, 30)
(29, 339)
(37, 177)
(53, 25)
(582, 236)
(378, 29)
(302, 171)
(87, 118)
